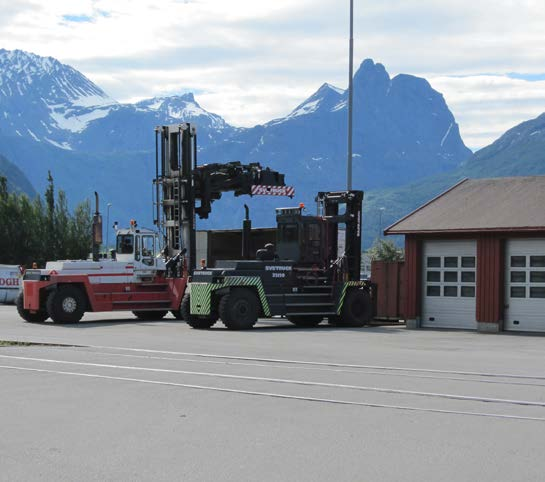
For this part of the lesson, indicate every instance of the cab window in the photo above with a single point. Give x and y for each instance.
(148, 250)
(125, 244)
(148, 246)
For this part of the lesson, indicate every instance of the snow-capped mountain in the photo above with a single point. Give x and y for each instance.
(129, 127)
(54, 118)
(403, 130)
(326, 99)
(53, 103)
(47, 100)
(181, 107)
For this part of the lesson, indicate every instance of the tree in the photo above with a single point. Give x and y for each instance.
(37, 231)
(385, 250)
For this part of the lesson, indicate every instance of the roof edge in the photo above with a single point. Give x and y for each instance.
(520, 229)
(385, 232)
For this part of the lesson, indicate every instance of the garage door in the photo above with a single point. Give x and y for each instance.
(525, 285)
(449, 276)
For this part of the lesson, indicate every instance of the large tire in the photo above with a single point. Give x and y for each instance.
(193, 321)
(66, 304)
(305, 321)
(38, 317)
(333, 320)
(357, 309)
(150, 315)
(239, 309)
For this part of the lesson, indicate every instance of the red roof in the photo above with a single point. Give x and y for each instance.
(499, 204)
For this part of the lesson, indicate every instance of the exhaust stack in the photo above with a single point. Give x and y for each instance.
(97, 231)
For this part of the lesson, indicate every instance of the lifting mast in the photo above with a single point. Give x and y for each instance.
(180, 183)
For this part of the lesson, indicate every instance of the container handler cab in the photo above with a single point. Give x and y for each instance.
(302, 278)
(149, 269)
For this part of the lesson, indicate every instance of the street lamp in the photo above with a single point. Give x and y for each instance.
(380, 211)
(108, 227)
(350, 97)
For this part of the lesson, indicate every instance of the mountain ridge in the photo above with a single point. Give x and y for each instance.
(403, 131)
(16, 180)
(518, 151)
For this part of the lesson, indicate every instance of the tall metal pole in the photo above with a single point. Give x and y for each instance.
(108, 227)
(350, 98)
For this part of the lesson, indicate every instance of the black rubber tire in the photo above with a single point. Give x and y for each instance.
(333, 320)
(193, 321)
(357, 309)
(66, 305)
(38, 317)
(305, 321)
(239, 309)
(150, 315)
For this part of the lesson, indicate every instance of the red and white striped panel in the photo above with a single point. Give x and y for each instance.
(273, 191)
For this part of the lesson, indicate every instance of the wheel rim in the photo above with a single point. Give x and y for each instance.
(242, 309)
(69, 305)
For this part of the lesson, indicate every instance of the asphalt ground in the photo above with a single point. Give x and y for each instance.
(112, 398)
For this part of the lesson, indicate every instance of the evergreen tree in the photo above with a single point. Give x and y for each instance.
(34, 231)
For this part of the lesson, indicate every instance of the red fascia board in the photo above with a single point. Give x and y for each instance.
(471, 230)
(424, 205)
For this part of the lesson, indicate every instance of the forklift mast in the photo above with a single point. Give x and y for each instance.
(313, 241)
(179, 183)
(344, 207)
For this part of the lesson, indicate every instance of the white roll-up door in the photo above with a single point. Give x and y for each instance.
(525, 285)
(449, 278)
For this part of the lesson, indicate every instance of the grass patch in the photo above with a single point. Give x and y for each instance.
(14, 343)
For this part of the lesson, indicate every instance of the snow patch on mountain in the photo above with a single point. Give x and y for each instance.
(305, 109)
(180, 108)
(76, 122)
(336, 89)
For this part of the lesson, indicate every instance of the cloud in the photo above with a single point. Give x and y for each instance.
(486, 106)
(254, 60)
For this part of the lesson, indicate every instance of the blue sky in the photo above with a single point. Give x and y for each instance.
(251, 61)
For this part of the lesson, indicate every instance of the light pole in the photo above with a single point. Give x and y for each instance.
(380, 211)
(350, 97)
(108, 227)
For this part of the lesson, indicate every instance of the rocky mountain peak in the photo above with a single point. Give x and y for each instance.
(372, 78)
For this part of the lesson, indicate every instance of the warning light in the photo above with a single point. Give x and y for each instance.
(301, 205)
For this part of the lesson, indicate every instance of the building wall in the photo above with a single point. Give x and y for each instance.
(413, 280)
(490, 280)
(490, 296)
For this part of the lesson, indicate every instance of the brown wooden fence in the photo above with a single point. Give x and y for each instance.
(389, 282)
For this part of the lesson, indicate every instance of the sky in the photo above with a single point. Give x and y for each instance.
(252, 60)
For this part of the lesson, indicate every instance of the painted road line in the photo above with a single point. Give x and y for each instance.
(279, 395)
(465, 398)
(327, 364)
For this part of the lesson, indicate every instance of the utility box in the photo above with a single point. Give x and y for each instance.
(388, 278)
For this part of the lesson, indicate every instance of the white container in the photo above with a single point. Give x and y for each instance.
(10, 282)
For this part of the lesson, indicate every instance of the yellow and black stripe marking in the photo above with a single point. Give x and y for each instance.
(348, 284)
(201, 293)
